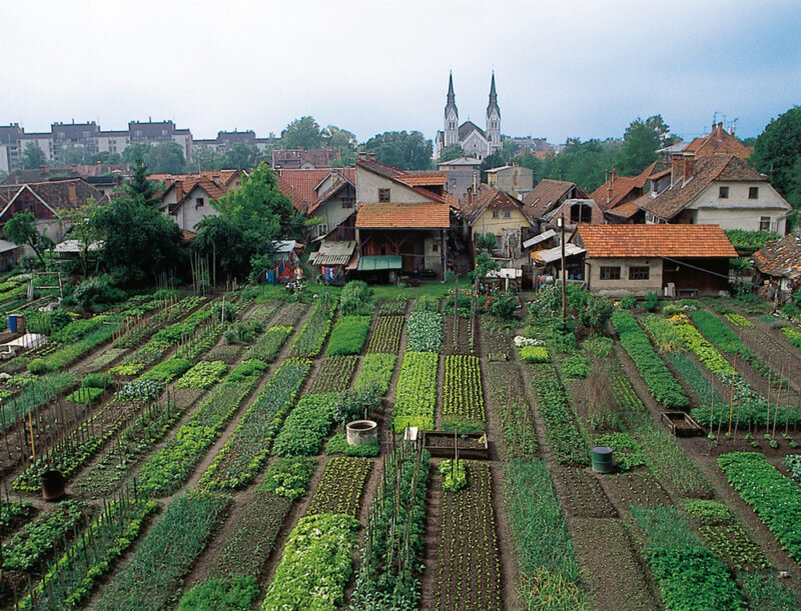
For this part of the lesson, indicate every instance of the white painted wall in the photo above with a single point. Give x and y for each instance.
(738, 211)
(368, 184)
(624, 286)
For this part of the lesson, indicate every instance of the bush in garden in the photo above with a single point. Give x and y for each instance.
(245, 369)
(38, 366)
(651, 302)
(338, 444)
(503, 305)
(356, 298)
(97, 290)
(426, 303)
(629, 302)
(353, 404)
(575, 367)
(534, 354)
(203, 375)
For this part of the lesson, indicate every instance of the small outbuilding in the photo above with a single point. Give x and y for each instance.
(670, 260)
(778, 265)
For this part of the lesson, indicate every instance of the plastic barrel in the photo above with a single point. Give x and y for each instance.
(602, 459)
(12, 323)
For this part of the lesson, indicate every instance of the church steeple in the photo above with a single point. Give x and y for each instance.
(451, 116)
(493, 118)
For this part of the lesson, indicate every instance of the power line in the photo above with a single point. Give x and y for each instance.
(719, 275)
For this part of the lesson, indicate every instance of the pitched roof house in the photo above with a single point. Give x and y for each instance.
(187, 198)
(494, 211)
(717, 189)
(687, 260)
(46, 200)
(295, 159)
(402, 219)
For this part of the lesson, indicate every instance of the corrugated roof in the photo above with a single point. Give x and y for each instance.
(677, 241)
(379, 262)
(334, 252)
(403, 216)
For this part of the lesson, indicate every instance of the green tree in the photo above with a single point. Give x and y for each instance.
(139, 187)
(777, 153)
(302, 133)
(33, 157)
(344, 142)
(583, 163)
(239, 157)
(640, 142)
(402, 150)
(251, 219)
(21, 229)
(166, 158)
(509, 149)
(106, 157)
(73, 155)
(83, 229)
(137, 149)
(203, 158)
(139, 242)
(450, 152)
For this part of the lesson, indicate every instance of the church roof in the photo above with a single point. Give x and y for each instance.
(467, 127)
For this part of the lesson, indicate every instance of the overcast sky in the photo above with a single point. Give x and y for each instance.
(563, 68)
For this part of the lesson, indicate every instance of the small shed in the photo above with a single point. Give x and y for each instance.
(778, 264)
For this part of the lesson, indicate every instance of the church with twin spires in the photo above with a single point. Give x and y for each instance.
(475, 142)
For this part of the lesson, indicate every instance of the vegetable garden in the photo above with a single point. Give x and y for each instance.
(207, 462)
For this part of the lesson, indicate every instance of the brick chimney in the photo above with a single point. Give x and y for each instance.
(689, 166)
(179, 190)
(372, 156)
(676, 167)
(609, 189)
(362, 156)
(71, 194)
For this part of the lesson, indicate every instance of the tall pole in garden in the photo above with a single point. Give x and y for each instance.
(560, 222)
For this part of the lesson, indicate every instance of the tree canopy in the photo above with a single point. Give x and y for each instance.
(251, 219)
(402, 150)
(777, 152)
(21, 229)
(450, 152)
(302, 133)
(640, 143)
(139, 187)
(162, 158)
(33, 157)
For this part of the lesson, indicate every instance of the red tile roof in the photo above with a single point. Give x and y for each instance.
(425, 179)
(674, 241)
(491, 198)
(298, 185)
(403, 216)
(678, 196)
(398, 176)
(619, 189)
(719, 141)
(627, 210)
(546, 195)
(780, 258)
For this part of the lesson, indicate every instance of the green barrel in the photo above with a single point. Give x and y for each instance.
(602, 460)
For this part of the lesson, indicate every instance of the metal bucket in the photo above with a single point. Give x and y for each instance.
(602, 460)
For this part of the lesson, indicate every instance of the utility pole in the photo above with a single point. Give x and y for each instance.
(560, 222)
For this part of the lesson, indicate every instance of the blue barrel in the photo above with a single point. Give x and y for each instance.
(602, 460)
(12, 323)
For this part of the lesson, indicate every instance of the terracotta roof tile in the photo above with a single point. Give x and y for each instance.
(781, 257)
(489, 198)
(675, 241)
(545, 196)
(719, 141)
(298, 185)
(623, 188)
(627, 210)
(673, 200)
(403, 216)
(425, 179)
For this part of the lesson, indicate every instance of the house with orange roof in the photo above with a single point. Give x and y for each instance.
(716, 142)
(719, 189)
(187, 197)
(493, 211)
(670, 260)
(403, 220)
